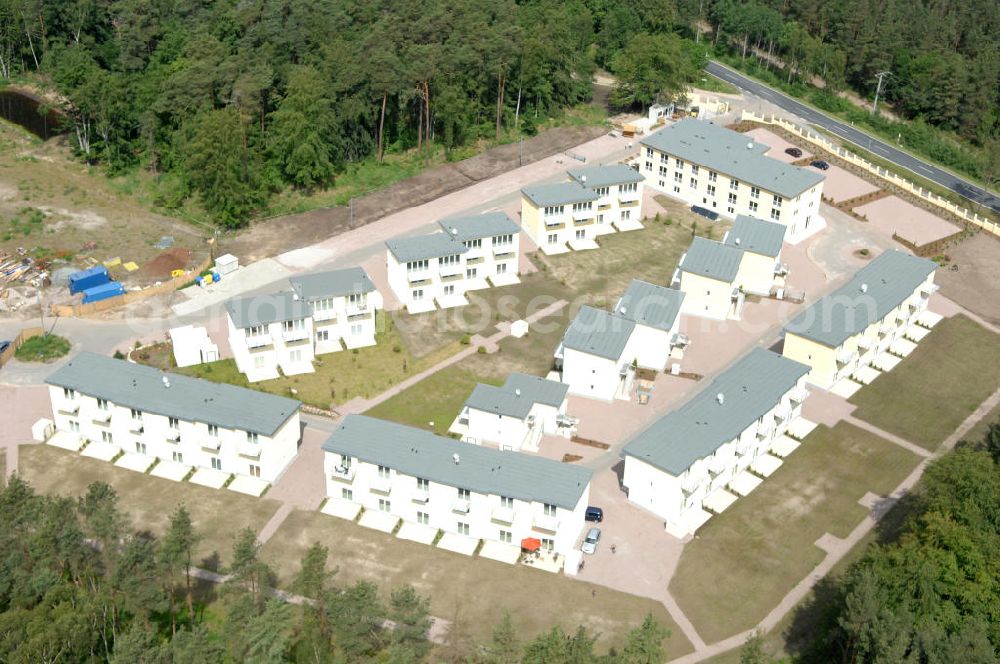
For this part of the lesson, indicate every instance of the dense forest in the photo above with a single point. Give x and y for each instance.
(80, 583)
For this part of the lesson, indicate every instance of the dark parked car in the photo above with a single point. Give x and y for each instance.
(795, 152)
(705, 212)
(594, 514)
(820, 164)
(4, 345)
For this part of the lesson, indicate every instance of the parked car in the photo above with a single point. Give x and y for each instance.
(594, 514)
(820, 164)
(589, 545)
(705, 212)
(4, 345)
(795, 152)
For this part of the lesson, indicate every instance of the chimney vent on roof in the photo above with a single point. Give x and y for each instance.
(864, 288)
(721, 398)
(454, 231)
(166, 382)
(583, 179)
(517, 391)
(456, 458)
(737, 242)
(750, 145)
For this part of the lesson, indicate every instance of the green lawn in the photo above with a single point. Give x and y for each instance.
(924, 399)
(745, 560)
(43, 348)
(473, 591)
(217, 514)
(340, 377)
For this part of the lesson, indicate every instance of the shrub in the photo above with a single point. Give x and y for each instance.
(481, 350)
(465, 340)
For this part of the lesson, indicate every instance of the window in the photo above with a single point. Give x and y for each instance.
(552, 238)
(345, 460)
(470, 273)
(549, 510)
(629, 188)
(74, 426)
(357, 329)
(102, 404)
(711, 190)
(464, 494)
(548, 544)
(678, 177)
(503, 240)
(583, 207)
(324, 304)
(679, 164)
(553, 209)
(649, 153)
(384, 505)
(357, 299)
(254, 331)
(732, 198)
(216, 463)
(449, 290)
(347, 494)
(258, 362)
(775, 214)
(423, 485)
(254, 470)
(501, 268)
(172, 422)
(418, 294)
(677, 189)
(295, 356)
(600, 218)
(694, 183)
(649, 165)
(663, 171)
(137, 415)
(473, 244)
(423, 518)
(140, 448)
(777, 201)
(506, 502)
(417, 266)
(603, 191)
(322, 335)
(449, 260)
(384, 472)
(730, 210)
(68, 393)
(107, 437)
(694, 169)
(754, 192)
(178, 457)
(462, 528)
(581, 234)
(734, 185)
(252, 438)
(626, 214)
(293, 325)
(506, 537)
(753, 206)
(712, 176)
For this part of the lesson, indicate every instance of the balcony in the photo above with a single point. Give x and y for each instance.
(780, 269)
(322, 315)
(554, 225)
(799, 395)
(461, 505)
(680, 341)
(451, 270)
(136, 426)
(503, 514)
(297, 334)
(583, 222)
(475, 261)
(690, 483)
(865, 343)
(627, 197)
(342, 473)
(250, 450)
(546, 522)
(929, 289)
(421, 496)
(357, 308)
(765, 430)
(583, 214)
(173, 436)
(846, 356)
(259, 340)
(211, 444)
(382, 484)
(70, 408)
(102, 416)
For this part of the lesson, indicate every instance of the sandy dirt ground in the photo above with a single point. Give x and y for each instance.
(286, 233)
(892, 214)
(841, 185)
(972, 277)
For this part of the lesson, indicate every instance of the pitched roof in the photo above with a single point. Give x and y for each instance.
(265, 309)
(874, 291)
(561, 193)
(604, 176)
(598, 332)
(733, 154)
(478, 226)
(193, 399)
(334, 283)
(750, 388)
(650, 305)
(756, 235)
(422, 247)
(712, 259)
(517, 396)
(419, 453)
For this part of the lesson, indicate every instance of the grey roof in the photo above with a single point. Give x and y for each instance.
(650, 305)
(421, 247)
(419, 453)
(193, 399)
(727, 151)
(598, 332)
(334, 283)
(561, 193)
(756, 235)
(517, 396)
(604, 176)
(479, 226)
(265, 309)
(712, 259)
(750, 388)
(874, 291)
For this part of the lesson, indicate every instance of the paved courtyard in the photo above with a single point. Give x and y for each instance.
(842, 185)
(894, 215)
(777, 143)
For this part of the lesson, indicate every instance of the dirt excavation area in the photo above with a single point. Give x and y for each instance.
(971, 277)
(281, 234)
(56, 211)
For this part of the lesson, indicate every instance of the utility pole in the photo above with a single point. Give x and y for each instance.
(697, 24)
(878, 89)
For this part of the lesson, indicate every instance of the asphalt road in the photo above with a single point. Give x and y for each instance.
(886, 151)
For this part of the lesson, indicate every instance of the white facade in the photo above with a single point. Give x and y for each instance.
(192, 345)
(597, 377)
(267, 350)
(345, 321)
(422, 283)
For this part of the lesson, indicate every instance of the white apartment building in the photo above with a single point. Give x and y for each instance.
(427, 271)
(619, 196)
(762, 271)
(343, 306)
(879, 312)
(446, 485)
(494, 247)
(655, 310)
(270, 335)
(597, 355)
(682, 465)
(559, 217)
(141, 410)
(709, 276)
(724, 171)
(515, 416)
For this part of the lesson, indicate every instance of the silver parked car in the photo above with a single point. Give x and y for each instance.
(590, 541)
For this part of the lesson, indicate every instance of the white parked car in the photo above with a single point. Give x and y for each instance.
(589, 545)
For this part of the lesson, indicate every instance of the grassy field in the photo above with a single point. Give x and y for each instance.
(953, 370)
(43, 348)
(339, 377)
(217, 514)
(473, 591)
(744, 561)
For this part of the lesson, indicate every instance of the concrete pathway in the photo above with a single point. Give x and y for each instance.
(838, 548)
(891, 437)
